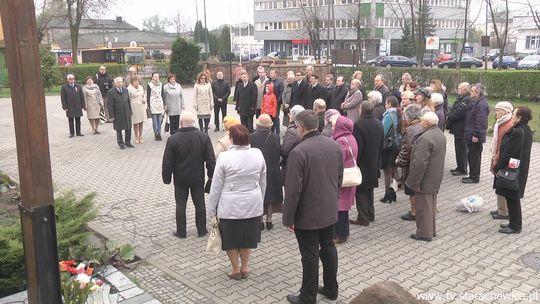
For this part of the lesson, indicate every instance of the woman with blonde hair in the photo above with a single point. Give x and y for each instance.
(154, 100)
(94, 103)
(138, 107)
(203, 100)
(423, 98)
(224, 143)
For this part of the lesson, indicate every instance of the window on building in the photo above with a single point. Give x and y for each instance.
(532, 42)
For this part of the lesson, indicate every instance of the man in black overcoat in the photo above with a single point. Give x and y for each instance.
(72, 98)
(119, 107)
(314, 92)
(298, 91)
(246, 101)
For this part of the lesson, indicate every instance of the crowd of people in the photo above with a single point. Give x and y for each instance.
(252, 172)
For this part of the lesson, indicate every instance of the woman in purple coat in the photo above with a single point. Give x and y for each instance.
(342, 134)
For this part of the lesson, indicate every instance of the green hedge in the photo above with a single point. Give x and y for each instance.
(81, 71)
(505, 84)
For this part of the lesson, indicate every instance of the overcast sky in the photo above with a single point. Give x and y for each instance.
(218, 12)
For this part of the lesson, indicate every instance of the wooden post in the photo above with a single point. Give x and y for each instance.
(37, 201)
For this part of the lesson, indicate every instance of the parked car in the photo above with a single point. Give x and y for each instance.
(493, 53)
(508, 62)
(375, 61)
(397, 61)
(264, 59)
(466, 62)
(523, 54)
(427, 60)
(309, 60)
(443, 57)
(280, 55)
(529, 62)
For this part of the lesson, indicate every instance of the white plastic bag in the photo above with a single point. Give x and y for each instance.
(470, 204)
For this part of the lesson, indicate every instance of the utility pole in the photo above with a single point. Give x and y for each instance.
(206, 31)
(485, 48)
(334, 23)
(328, 29)
(38, 221)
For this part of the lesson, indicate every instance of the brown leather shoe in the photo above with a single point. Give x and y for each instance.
(359, 222)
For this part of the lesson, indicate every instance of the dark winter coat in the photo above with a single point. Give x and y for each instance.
(379, 110)
(407, 142)
(455, 121)
(104, 82)
(476, 120)
(298, 94)
(329, 92)
(313, 93)
(119, 107)
(369, 134)
(270, 147)
(337, 98)
(385, 92)
(516, 143)
(290, 140)
(186, 153)
(314, 176)
(72, 100)
(220, 89)
(246, 98)
(439, 110)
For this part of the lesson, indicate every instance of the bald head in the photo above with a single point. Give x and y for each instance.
(187, 119)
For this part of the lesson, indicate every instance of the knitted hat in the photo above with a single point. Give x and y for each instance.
(423, 91)
(230, 121)
(264, 121)
(504, 105)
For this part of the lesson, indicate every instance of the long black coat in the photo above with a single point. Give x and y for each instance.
(119, 107)
(72, 100)
(246, 98)
(270, 147)
(455, 122)
(476, 121)
(516, 143)
(298, 94)
(186, 153)
(104, 82)
(313, 93)
(220, 89)
(337, 98)
(369, 134)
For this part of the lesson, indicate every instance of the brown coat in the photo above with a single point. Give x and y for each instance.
(314, 175)
(502, 131)
(407, 143)
(427, 161)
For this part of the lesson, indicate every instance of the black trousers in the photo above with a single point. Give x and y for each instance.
(174, 121)
(74, 124)
(219, 107)
(197, 196)
(275, 124)
(342, 225)
(460, 147)
(247, 121)
(475, 159)
(119, 138)
(315, 244)
(206, 124)
(365, 204)
(514, 212)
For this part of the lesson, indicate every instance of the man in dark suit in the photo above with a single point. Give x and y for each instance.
(329, 86)
(247, 101)
(120, 112)
(221, 90)
(186, 153)
(314, 175)
(314, 91)
(338, 95)
(369, 135)
(298, 91)
(455, 122)
(381, 87)
(72, 98)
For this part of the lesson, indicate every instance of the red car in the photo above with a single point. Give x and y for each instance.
(443, 57)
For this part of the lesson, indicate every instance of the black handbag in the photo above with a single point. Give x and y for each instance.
(508, 178)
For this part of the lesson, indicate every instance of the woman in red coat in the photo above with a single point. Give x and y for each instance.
(269, 104)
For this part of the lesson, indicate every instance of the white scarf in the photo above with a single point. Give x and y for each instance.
(495, 139)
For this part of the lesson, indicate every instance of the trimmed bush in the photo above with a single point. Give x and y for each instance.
(505, 84)
(185, 61)
(81, 71)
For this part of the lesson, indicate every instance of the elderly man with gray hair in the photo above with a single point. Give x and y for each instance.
(119, 107)
(376, 98)
(455, 122)
(72, 98)
(186, 153)
(425, 175)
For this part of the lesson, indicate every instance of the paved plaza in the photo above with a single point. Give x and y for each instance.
(468, 258)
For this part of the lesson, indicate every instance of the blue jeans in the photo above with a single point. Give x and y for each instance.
(156, 123)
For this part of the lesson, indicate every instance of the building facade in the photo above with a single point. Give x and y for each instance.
(282, 24)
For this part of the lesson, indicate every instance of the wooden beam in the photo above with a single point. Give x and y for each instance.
(29, 114)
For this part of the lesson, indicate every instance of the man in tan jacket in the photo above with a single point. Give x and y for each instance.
(425, 175)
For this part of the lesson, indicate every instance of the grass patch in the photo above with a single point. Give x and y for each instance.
(535, 108)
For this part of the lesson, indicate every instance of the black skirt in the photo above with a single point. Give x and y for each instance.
(241, 233)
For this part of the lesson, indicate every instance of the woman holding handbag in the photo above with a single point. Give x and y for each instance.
(342, 134)
(392, 135)
(236, 198)
(514, 154)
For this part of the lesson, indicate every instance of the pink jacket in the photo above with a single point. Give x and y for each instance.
(343, 136)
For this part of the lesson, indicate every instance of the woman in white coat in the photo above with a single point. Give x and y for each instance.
(236, 198)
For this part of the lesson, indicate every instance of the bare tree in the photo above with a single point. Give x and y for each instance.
(360, 24)
(313, 16)
(181, 22)
(467, 25)
(76, 10)
(501, 30)
(535, 14)
(417, 15)
(46, 10)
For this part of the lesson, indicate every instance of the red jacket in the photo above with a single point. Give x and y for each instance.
(269, 104)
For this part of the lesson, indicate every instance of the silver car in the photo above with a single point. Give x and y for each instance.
(529, 62)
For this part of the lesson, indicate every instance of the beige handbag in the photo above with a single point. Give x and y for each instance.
(214, 238)
(352, 176)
